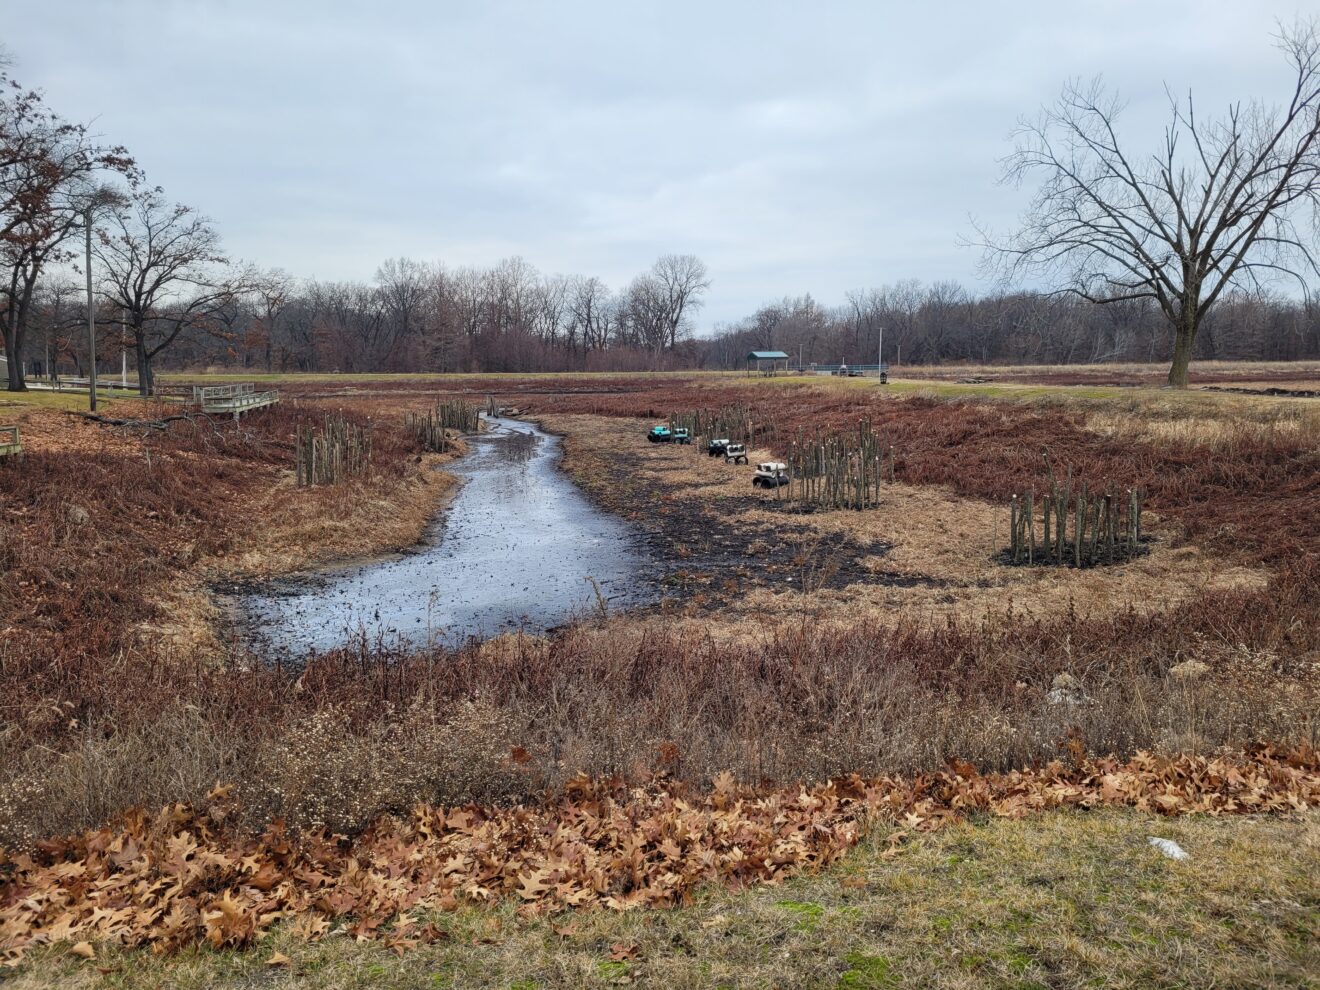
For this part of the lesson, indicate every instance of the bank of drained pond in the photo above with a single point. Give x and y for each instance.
(519, 547)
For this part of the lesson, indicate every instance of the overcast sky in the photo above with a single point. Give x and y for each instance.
(795, 147)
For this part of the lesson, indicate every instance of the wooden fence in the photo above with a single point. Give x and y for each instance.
(725, 423)
(430, 428)
(337, 451)
(843, 469)
(1081, 531)
(11, 441)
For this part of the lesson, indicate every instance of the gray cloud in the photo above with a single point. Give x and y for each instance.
(794, 147)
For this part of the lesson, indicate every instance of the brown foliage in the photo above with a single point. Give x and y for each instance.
(96, 719)
(93, 532)
(182, 876)
(1255, 495)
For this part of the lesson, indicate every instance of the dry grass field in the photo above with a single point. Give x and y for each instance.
(785, 648)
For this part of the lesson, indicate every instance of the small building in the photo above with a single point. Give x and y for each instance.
(766, 362)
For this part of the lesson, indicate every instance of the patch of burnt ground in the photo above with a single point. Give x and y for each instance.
(711, 552)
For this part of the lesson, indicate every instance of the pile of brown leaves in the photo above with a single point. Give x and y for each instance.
(183, 876)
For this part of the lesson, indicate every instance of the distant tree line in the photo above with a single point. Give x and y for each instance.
(1161, 257)
(166, 294)
(415, 316)
(943, 322)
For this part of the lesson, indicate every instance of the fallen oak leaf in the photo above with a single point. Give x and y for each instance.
(279, 959)
(533, 885)
(83, 949)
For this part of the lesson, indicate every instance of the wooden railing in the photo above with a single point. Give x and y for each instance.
(10, 441)
(210, 393)
(238, 398)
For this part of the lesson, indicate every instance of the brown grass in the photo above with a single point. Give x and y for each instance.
(938, 547)
(112, 535)
(100, 715)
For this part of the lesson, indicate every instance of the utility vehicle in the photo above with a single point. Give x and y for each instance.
(716, 447)
(735, 453)
(660, 434)
(771, 474)
(681, 436)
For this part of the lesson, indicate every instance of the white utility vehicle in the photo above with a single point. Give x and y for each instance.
(771, 474)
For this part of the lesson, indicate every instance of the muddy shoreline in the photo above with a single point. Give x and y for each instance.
(714, 551)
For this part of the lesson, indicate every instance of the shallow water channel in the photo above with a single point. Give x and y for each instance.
(514, 550)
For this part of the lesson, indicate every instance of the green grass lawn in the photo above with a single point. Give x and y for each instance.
(1059, 900)
(57, 400)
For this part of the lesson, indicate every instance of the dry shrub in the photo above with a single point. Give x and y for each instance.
(101, 767)
(1253, 491)
(376, 731)
(320, 773)
(93, 539)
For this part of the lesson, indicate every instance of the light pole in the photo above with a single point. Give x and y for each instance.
(96, 198)
(880, 356)
(91, 306)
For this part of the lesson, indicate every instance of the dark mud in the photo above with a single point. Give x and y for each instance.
(712, 553)
(518, 548)
(1287, 393)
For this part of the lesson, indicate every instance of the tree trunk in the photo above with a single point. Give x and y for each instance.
(143, 368)
(1182, 348)
(13, 338)
(16, 382)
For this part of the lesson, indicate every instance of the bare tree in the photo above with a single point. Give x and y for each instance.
(273, 292)
(1216, 207)
(46, 163)
(164, 269)
(588, 312)
(405, 288)
(680, 279)
(647, 314)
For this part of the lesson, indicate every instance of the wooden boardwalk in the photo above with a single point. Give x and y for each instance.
(11, 442)
(236, 399)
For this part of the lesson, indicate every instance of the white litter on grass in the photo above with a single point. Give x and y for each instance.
(1169, 848)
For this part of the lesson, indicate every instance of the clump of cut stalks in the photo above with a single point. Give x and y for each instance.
(1081, 531)
(340, 449)
(430, 428)
(732, 423)
(839, 470)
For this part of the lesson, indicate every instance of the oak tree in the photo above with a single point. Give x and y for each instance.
(1221, 204)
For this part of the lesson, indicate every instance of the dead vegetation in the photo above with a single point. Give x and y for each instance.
(732, 552)
(886, 641)
(182, 877)
(1066, 900)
